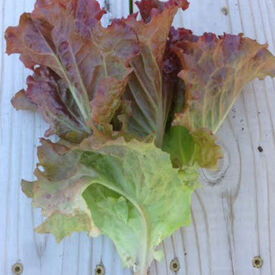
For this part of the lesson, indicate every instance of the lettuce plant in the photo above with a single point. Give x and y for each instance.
(135, 105)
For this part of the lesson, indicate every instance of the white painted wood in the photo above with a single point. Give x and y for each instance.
(233, 215)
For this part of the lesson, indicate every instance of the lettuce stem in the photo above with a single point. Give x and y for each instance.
(131, 6)
(141, 272)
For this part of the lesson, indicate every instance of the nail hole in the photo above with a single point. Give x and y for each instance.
(257, 262)
(260, 149)
(175, 265)
(100, 270)
(17, 268)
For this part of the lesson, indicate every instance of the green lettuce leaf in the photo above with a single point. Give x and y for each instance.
(62, 225)
(116, 187)
(131, 202)
(192, 148)
(179, 143)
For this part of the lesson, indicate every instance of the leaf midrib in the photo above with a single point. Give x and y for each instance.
(144, 254)
(70, 85)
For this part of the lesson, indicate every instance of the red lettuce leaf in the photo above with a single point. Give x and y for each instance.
(21, 102)
(215, 69)
(58, 191)
(148, 93)
(68, 39)
(149, 8)
(51, 97)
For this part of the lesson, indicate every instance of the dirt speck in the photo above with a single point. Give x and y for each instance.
(224, 10)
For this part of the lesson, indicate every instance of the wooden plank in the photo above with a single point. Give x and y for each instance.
(232, 215)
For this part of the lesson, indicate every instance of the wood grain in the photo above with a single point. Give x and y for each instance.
(233, 215)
